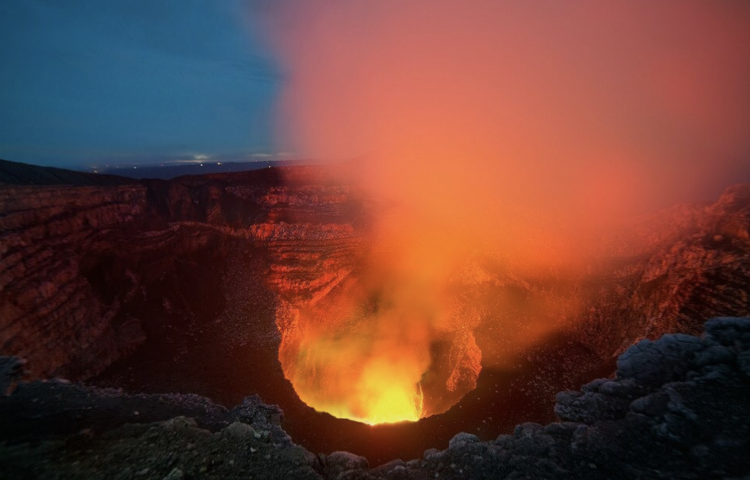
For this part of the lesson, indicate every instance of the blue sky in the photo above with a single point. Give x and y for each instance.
(87, 82)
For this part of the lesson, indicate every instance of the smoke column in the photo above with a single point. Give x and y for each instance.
(507, 127)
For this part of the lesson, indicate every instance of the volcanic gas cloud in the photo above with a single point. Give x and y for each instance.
(507, 130)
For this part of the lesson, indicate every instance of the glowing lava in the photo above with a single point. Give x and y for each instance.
(381, 395)
(392, 403)
(351, 368)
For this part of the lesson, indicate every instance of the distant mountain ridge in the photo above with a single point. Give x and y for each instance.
(16, 173)
(177, 170)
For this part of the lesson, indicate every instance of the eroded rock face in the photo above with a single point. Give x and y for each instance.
(49, 310)
(663, 272)
(87, 273)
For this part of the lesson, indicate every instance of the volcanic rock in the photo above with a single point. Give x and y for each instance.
(87, 273)
(692, 423)
(662, 272)
(93, 268)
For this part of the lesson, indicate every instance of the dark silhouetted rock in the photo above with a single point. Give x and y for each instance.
(653, 363)
(15, 173)
(340, 465)
(11, 371)
(658, 420)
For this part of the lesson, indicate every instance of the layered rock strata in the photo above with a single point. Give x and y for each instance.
(87, 273)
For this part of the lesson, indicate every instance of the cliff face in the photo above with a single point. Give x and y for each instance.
(51, 309)
(664, 271)
(86, 273)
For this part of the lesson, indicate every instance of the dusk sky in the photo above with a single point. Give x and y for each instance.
(594, 97)
(87, 82)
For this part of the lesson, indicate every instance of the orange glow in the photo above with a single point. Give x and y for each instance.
(364, 351)
(381, 392)
(507, 131)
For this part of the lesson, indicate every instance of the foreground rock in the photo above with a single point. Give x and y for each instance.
(679, 407)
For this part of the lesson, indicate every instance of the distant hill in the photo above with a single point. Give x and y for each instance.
(16, 173)
(170, 171)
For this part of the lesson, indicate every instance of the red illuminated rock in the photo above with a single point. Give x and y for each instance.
(88, 272)
(663, 272)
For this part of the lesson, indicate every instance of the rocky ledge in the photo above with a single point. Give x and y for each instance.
(677, 407)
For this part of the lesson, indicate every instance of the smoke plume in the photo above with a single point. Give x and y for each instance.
(507, 129)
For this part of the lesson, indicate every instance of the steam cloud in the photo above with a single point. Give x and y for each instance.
(506, 127)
